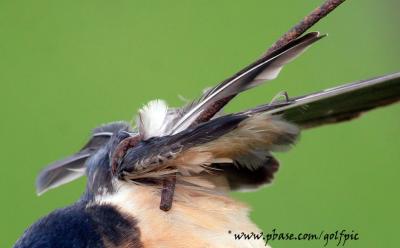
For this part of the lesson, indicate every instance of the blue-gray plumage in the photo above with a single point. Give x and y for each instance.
(73, 167)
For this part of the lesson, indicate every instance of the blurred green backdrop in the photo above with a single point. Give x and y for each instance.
(67, 66)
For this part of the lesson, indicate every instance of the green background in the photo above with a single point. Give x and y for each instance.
(67, 66)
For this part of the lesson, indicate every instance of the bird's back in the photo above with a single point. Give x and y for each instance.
(82, 225)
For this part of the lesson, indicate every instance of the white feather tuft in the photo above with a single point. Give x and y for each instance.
(153, 119)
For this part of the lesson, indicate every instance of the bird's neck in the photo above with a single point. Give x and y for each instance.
(196, 219)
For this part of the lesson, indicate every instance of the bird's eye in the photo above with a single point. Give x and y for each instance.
(123, 135)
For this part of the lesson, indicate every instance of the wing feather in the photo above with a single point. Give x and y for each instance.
(73, 167)
(337, 104)
(227, 139)
(266, 68)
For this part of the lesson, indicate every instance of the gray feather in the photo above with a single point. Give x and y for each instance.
(73, 167)
(337, 104)
(266, 68)
(61, 172)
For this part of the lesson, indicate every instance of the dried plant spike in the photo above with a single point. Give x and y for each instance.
(167, 193)
(307, 22)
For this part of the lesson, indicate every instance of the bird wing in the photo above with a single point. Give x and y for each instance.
(239, 139)
(240, 144)
(337, 104)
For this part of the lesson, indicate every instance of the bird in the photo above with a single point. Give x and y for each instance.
(166, 181)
